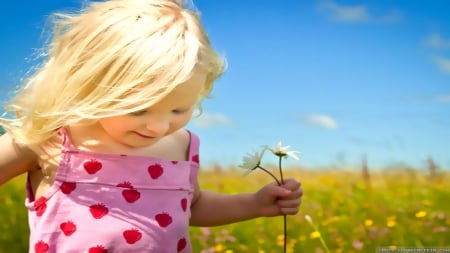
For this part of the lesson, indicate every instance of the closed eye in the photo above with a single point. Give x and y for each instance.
(138, 113)
(177, 111)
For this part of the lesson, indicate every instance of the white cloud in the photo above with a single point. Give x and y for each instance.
(209, 120)
(355, 13)
(436, 41)
(442, 99)
(322, 121)
(442, 63)
(346, 13)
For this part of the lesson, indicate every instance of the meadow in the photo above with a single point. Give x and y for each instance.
(350, 212)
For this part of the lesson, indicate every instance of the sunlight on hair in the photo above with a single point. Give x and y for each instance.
(109, 61)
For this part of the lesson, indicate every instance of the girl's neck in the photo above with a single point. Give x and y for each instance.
(91, 138)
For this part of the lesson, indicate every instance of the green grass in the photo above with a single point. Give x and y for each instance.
(13, 217)
(396, 208)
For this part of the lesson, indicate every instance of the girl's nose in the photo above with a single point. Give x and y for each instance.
(158, 127)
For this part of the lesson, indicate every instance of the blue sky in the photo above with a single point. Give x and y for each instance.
(336, 80)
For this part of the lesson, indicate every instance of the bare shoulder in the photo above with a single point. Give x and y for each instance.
(180, 141)
(48, 159)
(172, 147)
(17, 158)
(49, 154)
(182, 138)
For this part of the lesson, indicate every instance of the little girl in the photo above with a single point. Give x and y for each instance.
(99, 130)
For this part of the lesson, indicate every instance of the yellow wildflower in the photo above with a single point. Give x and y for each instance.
(368, 222)
(391, 221)
(219, 247)
(421, 214)
(315, 234)
(331, 220)
(280, 240)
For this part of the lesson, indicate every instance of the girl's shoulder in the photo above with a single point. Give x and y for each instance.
(48, 149)
(49, 155)
(16, 158)
(182, 137)
(174, 147)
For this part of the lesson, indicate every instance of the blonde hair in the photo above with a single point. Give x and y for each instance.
(113, 58)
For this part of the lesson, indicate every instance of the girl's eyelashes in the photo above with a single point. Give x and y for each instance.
(178, 111)
(138, 113)
(175, 111)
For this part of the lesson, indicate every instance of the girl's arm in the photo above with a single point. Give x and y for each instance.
(214, 209)
(15, 158)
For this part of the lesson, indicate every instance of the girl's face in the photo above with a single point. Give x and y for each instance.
(146, 127)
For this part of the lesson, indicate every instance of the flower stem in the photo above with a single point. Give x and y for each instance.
(281, 170)
(320, 235)
(279, 183)
(270, 173)
(284, 215)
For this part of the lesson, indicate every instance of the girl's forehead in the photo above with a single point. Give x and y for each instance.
(186, 93)
(195, 84)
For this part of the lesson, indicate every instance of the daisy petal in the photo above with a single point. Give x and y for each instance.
(281, 151)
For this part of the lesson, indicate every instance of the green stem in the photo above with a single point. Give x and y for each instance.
(279, 183)
(284, 215)
(270, 173)
(281, 170)
(285, 232)
(320, 237)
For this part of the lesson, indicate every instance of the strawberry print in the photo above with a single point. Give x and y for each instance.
(184, 204)
(163, 219)
(125, 184)
(132, 235)
(40, 205)
(174, 162)
(92, 166)
(155, 170)
(68, 228)
(98, 249)
(98, 210)
(130, 195)
(181, 245)
(41, 247)
(195, 159)
(68, 187)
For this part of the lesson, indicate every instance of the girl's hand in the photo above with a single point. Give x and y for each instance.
(274, 200)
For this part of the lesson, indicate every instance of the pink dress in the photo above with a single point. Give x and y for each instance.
(115, 203)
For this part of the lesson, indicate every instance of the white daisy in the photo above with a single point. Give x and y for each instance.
(251, 161)
(283, 151)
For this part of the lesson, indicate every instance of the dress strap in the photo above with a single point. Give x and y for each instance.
(66, 141)
(193, 154)
(194, 145)
(29, 189)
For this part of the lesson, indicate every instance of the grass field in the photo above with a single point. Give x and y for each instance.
(395, 208)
